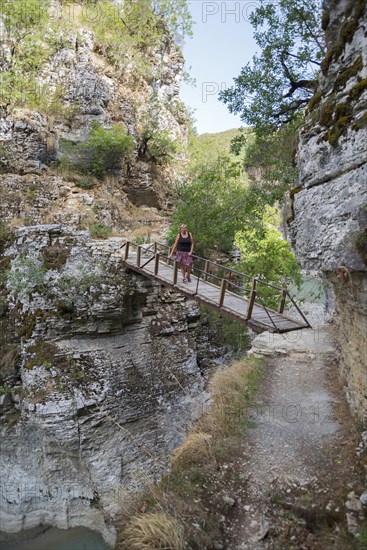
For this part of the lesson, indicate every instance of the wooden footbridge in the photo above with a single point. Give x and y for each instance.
(227, 291)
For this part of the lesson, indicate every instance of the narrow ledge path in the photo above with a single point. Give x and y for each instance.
(286, 454)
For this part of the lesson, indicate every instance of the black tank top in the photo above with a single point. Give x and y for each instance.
(184, 243)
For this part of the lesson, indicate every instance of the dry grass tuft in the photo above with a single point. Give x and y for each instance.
(197, 449)
(232, 390)
(195, 479)
(152, 531)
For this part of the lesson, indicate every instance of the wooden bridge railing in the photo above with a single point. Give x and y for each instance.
(228, 279)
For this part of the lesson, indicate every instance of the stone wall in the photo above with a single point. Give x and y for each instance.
(329, 226)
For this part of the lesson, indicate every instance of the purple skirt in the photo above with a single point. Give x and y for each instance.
(183, 259)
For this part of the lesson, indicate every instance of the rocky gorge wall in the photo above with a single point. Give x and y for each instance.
(84, 86)
(100, 369)
(328, 229)
(101, 372)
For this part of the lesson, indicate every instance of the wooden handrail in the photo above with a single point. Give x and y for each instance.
(297, 308)
(266, 310)
(138, 256)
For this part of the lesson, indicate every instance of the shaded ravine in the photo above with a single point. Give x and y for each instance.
(285, 455)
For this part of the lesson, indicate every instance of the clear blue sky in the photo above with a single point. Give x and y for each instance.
(221, 45)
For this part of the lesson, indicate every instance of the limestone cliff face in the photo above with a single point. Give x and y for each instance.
(100, 370)
(101, 373)
(88, 89)
(329, 227)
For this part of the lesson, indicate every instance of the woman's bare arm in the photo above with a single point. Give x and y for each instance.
(174, 246)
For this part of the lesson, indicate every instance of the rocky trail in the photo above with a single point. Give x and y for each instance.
(297, 459)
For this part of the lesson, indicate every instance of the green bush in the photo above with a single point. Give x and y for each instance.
(270, 259)
(127, 33)
(100, 231)
(86, 183)
(104, 151)
(72, 287)
(159, 146)
(26, 275)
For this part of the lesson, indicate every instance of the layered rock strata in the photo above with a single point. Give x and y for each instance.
(100, 373)
(329, 226)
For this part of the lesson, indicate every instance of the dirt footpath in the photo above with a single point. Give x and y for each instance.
(297, 456)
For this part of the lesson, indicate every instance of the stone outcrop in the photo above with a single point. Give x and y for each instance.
(329, 227)
(100, 376)
(100, 370)
(32, 141)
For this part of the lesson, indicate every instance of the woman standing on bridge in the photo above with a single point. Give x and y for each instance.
(185, 247)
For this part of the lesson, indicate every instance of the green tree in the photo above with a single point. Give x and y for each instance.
(25, 52)
(271, 259)
(216, 204)
(279, 82)
(134, 30)
(271, 157)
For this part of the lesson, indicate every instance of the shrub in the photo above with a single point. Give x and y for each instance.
(86, 183)
(72, 287)
(27, 274)
(6, 236)
(232, 390)
(100, 231)
(103, 151)
(159, 145)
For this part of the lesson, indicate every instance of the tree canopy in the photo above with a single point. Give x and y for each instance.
(217, 204)
(278, 83)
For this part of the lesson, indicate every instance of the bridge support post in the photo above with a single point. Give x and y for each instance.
(138, 256)
(127, 249)
(206, 267)
(175, 271)
(156, 263)
(251, 300)
(222, 292)
(282, 301)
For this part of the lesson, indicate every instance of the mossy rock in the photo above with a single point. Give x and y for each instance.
(342, 110)
(314, 101)
(6, 236)
(326, 62)
(360, 123)
(358, 90)
(55, 256)
(353, 13)
(327, 114)
(9, 360)
(44, 354)
(338, 129)
(343, 77)
(325, 19)
(294, 191)
(28, 326)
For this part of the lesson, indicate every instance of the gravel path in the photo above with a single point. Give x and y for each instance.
(293, 425)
